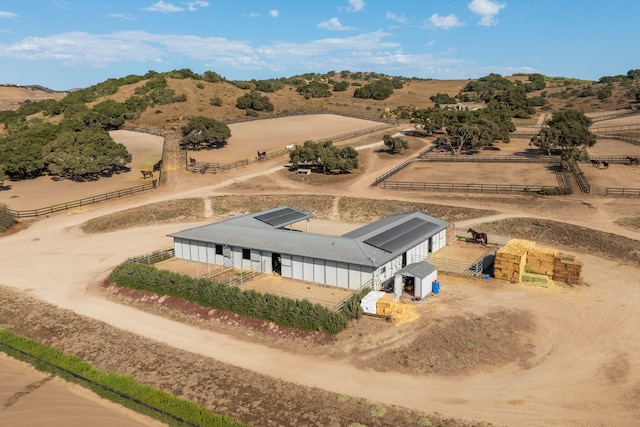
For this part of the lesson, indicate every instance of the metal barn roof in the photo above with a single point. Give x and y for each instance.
(373, 245)
(420, 269)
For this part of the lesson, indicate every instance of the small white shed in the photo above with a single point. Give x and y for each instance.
(416, 279)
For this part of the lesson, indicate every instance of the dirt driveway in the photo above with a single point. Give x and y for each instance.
(574, 357)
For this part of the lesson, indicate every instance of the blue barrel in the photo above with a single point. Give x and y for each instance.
(435, 287)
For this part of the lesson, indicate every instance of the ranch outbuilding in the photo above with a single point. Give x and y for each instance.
(370, 255)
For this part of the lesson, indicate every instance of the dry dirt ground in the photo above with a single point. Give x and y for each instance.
(480, 350)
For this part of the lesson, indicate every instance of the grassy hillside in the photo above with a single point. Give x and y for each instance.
(561, 93)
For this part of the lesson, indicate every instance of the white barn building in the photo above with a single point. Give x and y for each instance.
(370, 255)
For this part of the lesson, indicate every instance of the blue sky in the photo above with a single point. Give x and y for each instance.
(64, 44)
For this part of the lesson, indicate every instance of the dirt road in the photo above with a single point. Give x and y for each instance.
(584, 367)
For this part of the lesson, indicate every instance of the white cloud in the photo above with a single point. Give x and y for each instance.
(398, 18)
(100, 50)
(355, 5)
(273, 13)
(7, 15)
(123, 16)
(163, 7)
(333, 24)
(197, 4)
(487, 10)
(444, 22)
(253, 15)
(366, 51)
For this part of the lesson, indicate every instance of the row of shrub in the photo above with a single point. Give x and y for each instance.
(298, 313)
(121, 389)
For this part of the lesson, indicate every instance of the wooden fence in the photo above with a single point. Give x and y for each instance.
(204, 167)
(466, 268)
(600, 132)
(401, 166)
(153, 257)
(34, 213)
(630, 140)
(610, 159)
(622, 191)
(502, 159)
(581, 179)
(355, 133)
(486, 188)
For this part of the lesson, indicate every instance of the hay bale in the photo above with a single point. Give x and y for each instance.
(398, 311)
(535, 279)
(510, 261)
(541, 260)
(567, 269)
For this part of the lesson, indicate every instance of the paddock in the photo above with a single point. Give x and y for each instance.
(521, 174)
(43, 191)
(615, 176)
(327, 296)
(268, 135)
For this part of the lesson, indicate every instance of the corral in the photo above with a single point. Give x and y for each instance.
(487, 174)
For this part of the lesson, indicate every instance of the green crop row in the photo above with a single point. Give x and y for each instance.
(124, 390)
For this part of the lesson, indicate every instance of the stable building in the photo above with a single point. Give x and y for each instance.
(368, 256)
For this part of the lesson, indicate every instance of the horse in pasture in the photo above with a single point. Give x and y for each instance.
(157, 166)
(192, 161)
(478, 237)
(147, 174)
(633, 161)
(595, 163)
(261, 155)
(605, 165)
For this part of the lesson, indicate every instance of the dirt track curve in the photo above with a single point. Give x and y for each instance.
(584, 371)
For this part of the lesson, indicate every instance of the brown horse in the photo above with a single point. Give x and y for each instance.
(633, 161)
(595, 163)
(157, 166)
(147, 174)
(478, 237)
(192, 161)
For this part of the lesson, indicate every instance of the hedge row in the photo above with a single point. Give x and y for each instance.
(300, 314)
(123, 390)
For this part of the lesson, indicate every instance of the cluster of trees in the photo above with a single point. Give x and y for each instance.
(500, 93)
(465, 130)
(567, 131)
(69, 138)
(203, 132)
(631, 80)
(442, 99)
(314, 89)
(77, 147)
(379, 89)
(395, 144)
(253, 101)
(324, 156)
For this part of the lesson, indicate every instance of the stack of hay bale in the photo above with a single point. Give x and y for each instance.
(398, 311)
(567, 269)
(520, 260)
(511, 260)
(541, 261)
